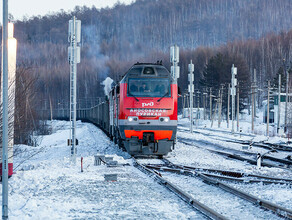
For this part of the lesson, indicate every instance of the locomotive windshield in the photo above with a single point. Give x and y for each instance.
(153, 87)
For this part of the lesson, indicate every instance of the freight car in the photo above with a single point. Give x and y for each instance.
(140, 114)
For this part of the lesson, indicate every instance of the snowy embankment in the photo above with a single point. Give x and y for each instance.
(47, 186)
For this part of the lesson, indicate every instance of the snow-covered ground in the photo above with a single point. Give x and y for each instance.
(47, 186)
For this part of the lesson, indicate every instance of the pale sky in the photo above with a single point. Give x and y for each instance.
(20, 8)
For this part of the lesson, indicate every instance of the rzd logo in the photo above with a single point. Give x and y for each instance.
(147, 104)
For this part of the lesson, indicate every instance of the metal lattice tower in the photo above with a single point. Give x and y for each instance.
(74, 58)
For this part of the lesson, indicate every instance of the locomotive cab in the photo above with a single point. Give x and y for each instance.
(146, 110)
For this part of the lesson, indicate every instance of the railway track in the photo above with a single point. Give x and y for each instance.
(198, 206)
(239, 155)
(157, 170)
(265, 145)
(207, 176)
(229, 175)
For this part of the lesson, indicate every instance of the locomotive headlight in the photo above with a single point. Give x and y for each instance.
(164, 119)
(131, 118)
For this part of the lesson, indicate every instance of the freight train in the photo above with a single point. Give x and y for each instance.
(140, 114)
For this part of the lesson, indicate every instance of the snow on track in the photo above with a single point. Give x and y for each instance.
(47, 186)
(225, 203)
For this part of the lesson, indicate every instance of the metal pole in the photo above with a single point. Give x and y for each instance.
(191, 91)
(279, 104)
(73, 97)
(221, 103)
(191, 111)
(233, 84)
(5, 111)
(204, 104)
(213, 116)
(198, 108)
(268, 108)
(237, 115)
(252, 109)
(210, 104)
(188, 104)
(74, 34)
(255, 92)
(286, 100)
(219, 108)
(228, 105)
(184, 100)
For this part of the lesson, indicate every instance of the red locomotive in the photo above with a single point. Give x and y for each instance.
(141, 113)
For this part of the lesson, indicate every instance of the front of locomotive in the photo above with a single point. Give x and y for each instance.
(148, 110)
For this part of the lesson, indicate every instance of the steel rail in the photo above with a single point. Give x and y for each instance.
(235, 174)
(265, 145)
(236, 156)
(228, 178)
(281, 211)
(284, 161)
(205, 210)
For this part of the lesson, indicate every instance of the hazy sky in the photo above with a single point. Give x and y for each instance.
(20, 8)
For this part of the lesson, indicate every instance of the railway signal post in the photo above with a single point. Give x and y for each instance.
(191, 91)
(73, 58)
(174, 59)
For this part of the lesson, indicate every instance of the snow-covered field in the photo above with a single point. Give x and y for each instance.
(47, 186)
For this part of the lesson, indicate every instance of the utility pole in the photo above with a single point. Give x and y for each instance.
(279, 104)
(237, 115)
(74, 58)
(228, 104)
(5, 111)
(210, 104)
(191, 90)
(268, 109)
(233, 84)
